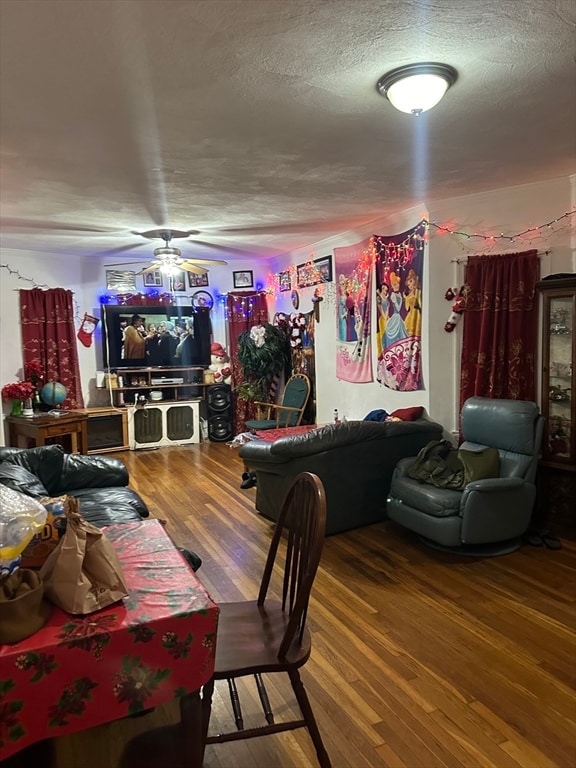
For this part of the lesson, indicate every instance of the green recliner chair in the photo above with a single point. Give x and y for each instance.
(488, 516)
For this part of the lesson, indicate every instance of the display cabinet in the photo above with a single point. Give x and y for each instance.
(558, 356)
(557, 471)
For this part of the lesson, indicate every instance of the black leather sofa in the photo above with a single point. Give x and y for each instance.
(355, 461)
(99, 482)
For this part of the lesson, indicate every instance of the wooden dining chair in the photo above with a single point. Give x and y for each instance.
(270, 636)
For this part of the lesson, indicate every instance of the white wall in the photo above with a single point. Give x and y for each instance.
(508, 210)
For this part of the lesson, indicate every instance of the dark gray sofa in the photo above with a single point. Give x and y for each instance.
(355, 461)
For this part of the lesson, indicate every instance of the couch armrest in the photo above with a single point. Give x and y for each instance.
(494, 485)
(402, 467)
(81, 471)
(259, 451)
(496, 509)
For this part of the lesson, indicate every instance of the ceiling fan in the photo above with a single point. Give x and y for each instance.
(168, 259)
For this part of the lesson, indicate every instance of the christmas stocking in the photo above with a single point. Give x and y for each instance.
(86, 331)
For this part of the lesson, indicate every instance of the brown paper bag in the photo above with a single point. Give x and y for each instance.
(83, 574)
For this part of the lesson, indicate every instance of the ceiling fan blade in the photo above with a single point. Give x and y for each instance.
(128, 263)
(150, 268)
(207, 261)
(193, 268)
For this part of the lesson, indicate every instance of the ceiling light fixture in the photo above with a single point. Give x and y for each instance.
(416, 88)
(168, 252)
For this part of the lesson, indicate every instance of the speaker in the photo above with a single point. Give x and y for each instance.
(220, 420)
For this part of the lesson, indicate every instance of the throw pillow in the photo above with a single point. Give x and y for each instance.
(408, 414)
(479, 465)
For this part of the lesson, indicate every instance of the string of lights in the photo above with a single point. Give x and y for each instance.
(19, 276)
(14, 272)
(510, 238)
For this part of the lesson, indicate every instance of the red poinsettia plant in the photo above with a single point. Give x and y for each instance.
(22, 390)
(33, 372)
(18, 390)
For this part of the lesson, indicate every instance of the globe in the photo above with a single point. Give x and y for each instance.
(53, 393)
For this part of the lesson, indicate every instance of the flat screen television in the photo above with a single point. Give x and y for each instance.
(116, 318)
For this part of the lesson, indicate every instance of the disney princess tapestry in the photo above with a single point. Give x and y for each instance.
(399, 270)
(353, 268)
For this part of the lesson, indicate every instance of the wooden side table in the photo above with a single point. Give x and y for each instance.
(43, 428)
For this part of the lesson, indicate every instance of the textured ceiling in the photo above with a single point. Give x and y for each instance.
(257, 123)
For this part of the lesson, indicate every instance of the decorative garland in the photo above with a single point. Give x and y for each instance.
(297, 325)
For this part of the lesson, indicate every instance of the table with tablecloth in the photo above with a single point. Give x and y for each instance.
(81, 671)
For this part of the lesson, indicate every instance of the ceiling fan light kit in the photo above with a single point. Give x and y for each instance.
(416, 88)
(168, 259)
(168, 251)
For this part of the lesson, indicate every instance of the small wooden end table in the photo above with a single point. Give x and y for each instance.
(42, 428)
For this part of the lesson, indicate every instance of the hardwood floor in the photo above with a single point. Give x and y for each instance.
(419, 659)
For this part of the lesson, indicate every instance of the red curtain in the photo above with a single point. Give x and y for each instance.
(49, 336)
(243, 311)
(499, 345)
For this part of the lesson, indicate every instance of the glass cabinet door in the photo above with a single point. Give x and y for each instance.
(558, 357)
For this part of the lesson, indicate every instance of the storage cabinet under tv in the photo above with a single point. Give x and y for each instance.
(159, 424)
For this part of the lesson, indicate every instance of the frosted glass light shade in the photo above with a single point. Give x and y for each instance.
(417, 88)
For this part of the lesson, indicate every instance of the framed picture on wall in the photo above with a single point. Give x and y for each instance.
(285, 281)
(195, 281)
(177, 281)
(314, 272)
(120, 280)
(243, 279)
(152, 279)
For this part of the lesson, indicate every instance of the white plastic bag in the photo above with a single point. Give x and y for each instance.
(21, 517)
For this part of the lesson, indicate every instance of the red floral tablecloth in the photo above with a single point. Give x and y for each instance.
(78, 672)
(273, 434)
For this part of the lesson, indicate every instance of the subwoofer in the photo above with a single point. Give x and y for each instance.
(220, 419)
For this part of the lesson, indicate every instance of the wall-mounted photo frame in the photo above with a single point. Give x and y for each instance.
(314, 272)
(285, 281)
(177, 281)
(196, 281)
(120, 280)
(152, 279)
(243, 279)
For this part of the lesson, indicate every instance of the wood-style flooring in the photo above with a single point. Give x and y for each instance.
(419, 659)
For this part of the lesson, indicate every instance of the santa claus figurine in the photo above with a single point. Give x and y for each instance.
(457, 307)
